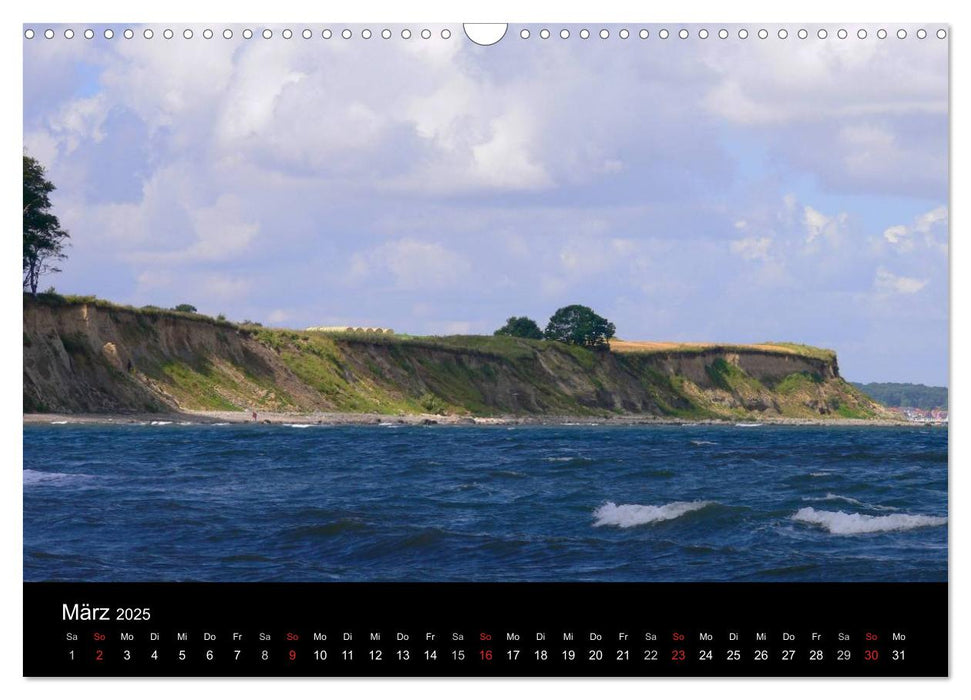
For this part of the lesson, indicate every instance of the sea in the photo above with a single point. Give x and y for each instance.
(164, 501)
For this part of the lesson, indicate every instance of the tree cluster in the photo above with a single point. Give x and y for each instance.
(575, 325)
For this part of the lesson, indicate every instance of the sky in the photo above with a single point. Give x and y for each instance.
(722, 190)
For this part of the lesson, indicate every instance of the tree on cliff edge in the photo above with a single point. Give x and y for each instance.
(521, 327)
(43, 235)
(579, 325)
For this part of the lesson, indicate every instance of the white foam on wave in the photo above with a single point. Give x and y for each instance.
(818, 475)
(847, 499)
(631, 515)
(219, 424)
(703, 442)
(299, 425)
(840, 523)
(58, 422)
(33, 477)
(161, 422)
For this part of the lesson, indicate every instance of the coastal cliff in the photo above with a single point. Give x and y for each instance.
(90, 356)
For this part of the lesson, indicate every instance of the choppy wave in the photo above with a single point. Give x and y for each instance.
(631, 515)
(32, 477)
(840, 523)
(703, 442)
(847, 499)
(161, 422)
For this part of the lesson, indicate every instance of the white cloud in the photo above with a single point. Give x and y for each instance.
(929, 229)
(896, 234)
(753, 248)
(168, 88)
(887, 282)
(763, 84)
(79, 121)
(221, 232)
(504, 160)
(410, 264)
(820, 227)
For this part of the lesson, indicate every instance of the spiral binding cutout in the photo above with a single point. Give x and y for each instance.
(425, 33)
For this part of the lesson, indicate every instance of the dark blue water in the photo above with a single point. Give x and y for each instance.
(572, 503)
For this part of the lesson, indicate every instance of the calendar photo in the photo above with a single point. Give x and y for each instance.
(392, 308)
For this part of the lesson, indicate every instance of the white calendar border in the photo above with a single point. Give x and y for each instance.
(888, 11)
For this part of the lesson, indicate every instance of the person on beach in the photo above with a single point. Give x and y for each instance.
(254, 416)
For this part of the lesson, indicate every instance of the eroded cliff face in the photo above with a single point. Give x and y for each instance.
(98, 358)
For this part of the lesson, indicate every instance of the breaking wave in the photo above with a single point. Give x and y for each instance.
(840, 523)
(632, 515)
(33, 477)
(847, 499)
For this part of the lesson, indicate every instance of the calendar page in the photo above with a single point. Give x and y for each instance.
(485, 350)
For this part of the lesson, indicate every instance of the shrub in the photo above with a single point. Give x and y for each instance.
(521, 327)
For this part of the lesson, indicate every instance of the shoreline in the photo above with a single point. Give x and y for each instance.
(323, 418)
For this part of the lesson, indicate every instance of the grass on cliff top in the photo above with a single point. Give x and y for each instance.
(497, 346)
(807, 350)
(772, 348)
(153, 312)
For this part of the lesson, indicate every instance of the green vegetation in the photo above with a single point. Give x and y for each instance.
(521, 327)
(579, 325)
(906, 395)
(798, 382)
(845, 411)
(148, 313)
(432, 404)
(75, 344)
(729, 377)
(44, 239)
(186, 308)
(197, 388)
(808, 351)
